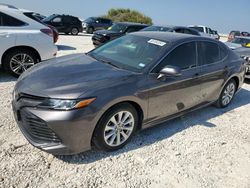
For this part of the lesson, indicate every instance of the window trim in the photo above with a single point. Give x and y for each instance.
(24, 23)
(217, 62)
(165, 56)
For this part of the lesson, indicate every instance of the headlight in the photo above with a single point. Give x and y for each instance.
(63, 104)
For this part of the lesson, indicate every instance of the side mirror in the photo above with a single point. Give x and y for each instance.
(170, 71)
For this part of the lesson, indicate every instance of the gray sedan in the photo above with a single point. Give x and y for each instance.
(68, 105)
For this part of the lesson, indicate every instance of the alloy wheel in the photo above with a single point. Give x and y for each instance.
(119, 128)
(228, 94)
(21, 62)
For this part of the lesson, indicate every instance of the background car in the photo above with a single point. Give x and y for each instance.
(95, 23)
(38, 17)
(239, 42)
(24, 42)
(116, 30)
(131, 83)
(234, 34)
(64, 23)
(204, 30)
(175, 29)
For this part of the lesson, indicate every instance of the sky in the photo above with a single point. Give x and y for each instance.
(221, 15)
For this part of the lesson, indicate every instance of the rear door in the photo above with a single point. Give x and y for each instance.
(214, 69)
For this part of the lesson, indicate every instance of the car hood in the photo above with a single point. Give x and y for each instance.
(243, 51)
(233, 45)
(107, 33)
(69, 77)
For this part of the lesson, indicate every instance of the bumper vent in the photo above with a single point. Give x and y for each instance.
(38, 130)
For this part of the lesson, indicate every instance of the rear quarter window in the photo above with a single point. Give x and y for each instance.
(9, 21)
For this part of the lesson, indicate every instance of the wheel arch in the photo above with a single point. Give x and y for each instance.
(19, 47)
(137, 107)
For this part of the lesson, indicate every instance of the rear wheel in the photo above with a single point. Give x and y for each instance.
(90, 30)
(116, 127)
(19, 60)
(74, 31)
(227, 94)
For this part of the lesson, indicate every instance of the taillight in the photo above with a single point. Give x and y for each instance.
(47, 32)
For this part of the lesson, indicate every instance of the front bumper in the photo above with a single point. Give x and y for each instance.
(56, 132)
(99, 39)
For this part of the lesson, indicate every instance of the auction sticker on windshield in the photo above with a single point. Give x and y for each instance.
(157, 42)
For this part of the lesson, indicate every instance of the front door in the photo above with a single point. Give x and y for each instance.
(171, 95)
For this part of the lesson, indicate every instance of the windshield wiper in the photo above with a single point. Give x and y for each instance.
(102, 60)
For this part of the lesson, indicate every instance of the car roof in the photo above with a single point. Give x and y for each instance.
(168, 36)
(18, 14)
(131, 23)
(197, 26)
(3, 5)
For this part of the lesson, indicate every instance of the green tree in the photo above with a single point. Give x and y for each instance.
(127, 15)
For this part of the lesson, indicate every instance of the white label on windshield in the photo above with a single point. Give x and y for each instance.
(156, 42)
(142, 65)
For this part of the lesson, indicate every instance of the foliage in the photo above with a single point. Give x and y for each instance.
(127, 15)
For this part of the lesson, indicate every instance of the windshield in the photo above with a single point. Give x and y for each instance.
(120, 28)
(200, 29)
(89, 20)
(241, 41)
(156, 28)
(130, 52)
(49, 18)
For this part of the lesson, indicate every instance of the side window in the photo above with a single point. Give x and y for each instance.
(209, 53)
(106, 21)
(133, 29)
(179, 30)
(99, 20)
(57, 20)
(9, 21)
(68, 19)
(183, 56)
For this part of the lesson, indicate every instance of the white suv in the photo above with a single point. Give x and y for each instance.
(23, 41)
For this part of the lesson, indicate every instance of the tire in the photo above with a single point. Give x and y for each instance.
(90, 30)
(227, 94)
(106, 131)
(74, 31)
(13, 61)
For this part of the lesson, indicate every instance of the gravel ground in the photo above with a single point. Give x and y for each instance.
(206, 148)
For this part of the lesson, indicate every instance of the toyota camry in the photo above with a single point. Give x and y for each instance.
(101, 98)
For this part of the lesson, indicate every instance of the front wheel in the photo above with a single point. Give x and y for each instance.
(227, 94)
(90, 30)
(116, 128)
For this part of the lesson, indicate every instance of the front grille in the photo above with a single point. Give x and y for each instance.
(37, 129)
